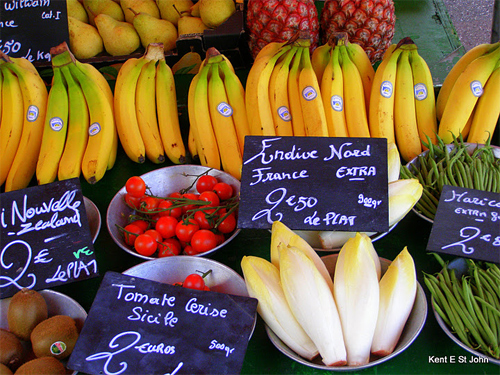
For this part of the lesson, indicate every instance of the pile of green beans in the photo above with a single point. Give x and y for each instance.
(470, 305)
(453, 165)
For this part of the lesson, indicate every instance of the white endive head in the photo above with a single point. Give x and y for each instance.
(403, 195)
(262, 279)
(393, 161)
(356, 292)
(398, 288)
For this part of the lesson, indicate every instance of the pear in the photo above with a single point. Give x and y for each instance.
(215, 12)
(190, 25)
(119, 37)
(195, 9)
(109, 7)
(171, 10)
(76, 10)
(138, 6)
(154, 30)
(84, 39)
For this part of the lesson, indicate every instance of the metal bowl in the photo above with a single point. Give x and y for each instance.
(163, 182)
(412, 329)
(93, 217)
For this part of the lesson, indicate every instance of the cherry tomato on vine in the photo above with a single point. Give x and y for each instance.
(166, 226)
(149, 204)
(133, 202)
(145, 245)
(190, 196)
(185, 229)
(166, 205)
(223, 190)
(205, 183)
(194, 281)
(169, 247)
(155, 234)
(135, 186)
(210, 196)
(203, 240)
(203, 218)
(175, 194)
(131, 231)
(220, 238)
(228, 224)
(188, 250)
(143, 224)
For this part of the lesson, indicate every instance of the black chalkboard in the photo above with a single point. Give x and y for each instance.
(315, 183)
(45, 237)
(30, 29)
(138, 326)
(467, 224)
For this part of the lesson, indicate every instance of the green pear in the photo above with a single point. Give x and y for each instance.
(109, 7)
(138, 6)
(84, 39)
(171, 10)
(190, 25)
(215, 12)
(76, 10)
(154, 30)
(119, 37)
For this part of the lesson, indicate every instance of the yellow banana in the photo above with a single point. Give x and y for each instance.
(124, 109)
(278, 95)
(236, 95)
(464, 95)
(354, 99)
(168, 115)
(34, 106)
(381, 114)
(298, 124)
(320, 59)
(405, 119)
(70, 165)
(332, 92)
(310, 99)
(1, 82)
(456, 70)
(11, 126)
(55, 129)
(145, 108)
(425, 101)
(223, 124)
(192, 144)
(487, 111)
(269, 50)
(365, 68)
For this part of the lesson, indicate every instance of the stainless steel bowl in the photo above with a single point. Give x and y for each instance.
(93, 217)
(163, 182)
(412, 329)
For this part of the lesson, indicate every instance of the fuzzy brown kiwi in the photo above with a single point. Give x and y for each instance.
(55, 337)
(42, 366)
(27, 308)
(11, 350)
(4, 370)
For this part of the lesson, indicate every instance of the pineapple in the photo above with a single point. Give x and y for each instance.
(369, 23)
(279, 20)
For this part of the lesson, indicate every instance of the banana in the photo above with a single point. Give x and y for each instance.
(55, 129)
(1, 82)
(405, 119)
(298, 124)
(365, 68)
(236, 95)
(124, 109)
(35, 96)
(354, 98)
(269, 50)
(425, 101)
(11, 126)
(192, 144)
(70, 164)
(168, 115)
(223, 124)
(320, 59)
(456, 70)
(332, 92)
(145, 108)
(380, 116)
(310, 99)
(278, 95)
(487, 111)
(464, 95)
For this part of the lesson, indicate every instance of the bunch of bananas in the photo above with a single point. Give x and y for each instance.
(145, 109)
(218, 115)
(23, 105)
(468, 103)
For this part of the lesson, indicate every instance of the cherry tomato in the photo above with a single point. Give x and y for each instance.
(228, 224)
(205, 183)
(149, 204)
(204, 219)
(210, 196)
(135, 186)
(223, 190)
(190, 196)
(194, 281)
(143, 224)
(188, 250)
(185, 229)
(169, 247)
(203, 240)
(128, 237)
(166, 205)
(145, 245)
(155, 234)
(166, 226)
(175, 194)
(132, 202)
(220, 238)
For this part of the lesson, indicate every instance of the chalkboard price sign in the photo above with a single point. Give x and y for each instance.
(315, 183)
(467, 224)
(45, 238)
(30, 29)
(139, 326)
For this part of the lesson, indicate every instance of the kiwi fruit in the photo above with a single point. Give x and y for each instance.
(55, 337)
(42, 366)
(4, 370)
(11, 350)
(26, 309)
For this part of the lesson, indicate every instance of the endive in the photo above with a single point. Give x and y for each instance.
(393, 162)
(262, 280)
(312, 304)
(398, 288)
(356, 291)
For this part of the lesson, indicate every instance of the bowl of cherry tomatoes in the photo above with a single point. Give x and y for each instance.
(177, 210)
